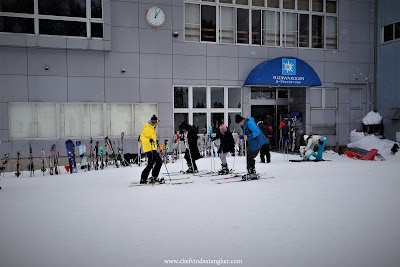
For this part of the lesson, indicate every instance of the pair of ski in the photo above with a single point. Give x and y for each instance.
(171, 181)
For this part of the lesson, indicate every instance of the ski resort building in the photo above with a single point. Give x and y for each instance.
(95, 68)
(388, 66)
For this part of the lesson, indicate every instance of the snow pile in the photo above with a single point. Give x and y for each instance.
(370, 141)
(372, 118)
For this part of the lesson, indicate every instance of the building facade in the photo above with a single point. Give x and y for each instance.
(388, 66)
(92, 68)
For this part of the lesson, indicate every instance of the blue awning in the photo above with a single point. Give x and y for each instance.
(283, 71)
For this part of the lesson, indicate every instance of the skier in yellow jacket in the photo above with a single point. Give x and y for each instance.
(149, 138)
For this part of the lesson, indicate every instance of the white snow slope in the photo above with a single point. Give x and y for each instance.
(343, 212)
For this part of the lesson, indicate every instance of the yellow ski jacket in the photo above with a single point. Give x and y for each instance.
(148, 132)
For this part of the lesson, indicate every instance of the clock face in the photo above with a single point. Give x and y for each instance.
(155, 16)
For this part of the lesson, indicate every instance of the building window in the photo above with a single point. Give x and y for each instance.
(263, 93)
(181, 97)
(256, 27)
(298, 23)
(290, 24)
(21, 125)
(316, 98)
(70, 120)
(323, 98)
(217, 97)
(208, 106)
(199, 97)
(192, 22)
(45, 120)
(271, 28)
(391, 32)
(77, 120)
(92, 120)
(208, 23)
(227, 26)
(234, 97)
(242, 36)
(141, 114)
(58, 17)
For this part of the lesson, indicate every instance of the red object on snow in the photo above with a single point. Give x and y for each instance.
(370, 155)
(67, 168)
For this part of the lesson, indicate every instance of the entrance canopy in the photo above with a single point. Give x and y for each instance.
(283, 71)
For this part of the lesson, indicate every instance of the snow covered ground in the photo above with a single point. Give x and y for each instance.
(343, 212)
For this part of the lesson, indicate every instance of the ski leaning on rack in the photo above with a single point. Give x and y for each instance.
(30, 166)
(19, 169)
(113, 155)
(5, 161)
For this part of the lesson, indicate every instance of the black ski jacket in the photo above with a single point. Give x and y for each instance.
(227, 142)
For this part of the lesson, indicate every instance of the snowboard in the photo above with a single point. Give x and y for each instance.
(82, 154)
(311, 160)
(70, 147)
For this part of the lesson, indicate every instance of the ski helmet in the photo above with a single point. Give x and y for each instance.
(305, 137)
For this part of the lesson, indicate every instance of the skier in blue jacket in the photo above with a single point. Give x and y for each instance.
(254, 140)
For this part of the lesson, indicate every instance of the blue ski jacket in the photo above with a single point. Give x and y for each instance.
(255, 136)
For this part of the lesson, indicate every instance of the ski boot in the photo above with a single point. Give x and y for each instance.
(224, 170)
(251, 175)
(159, 180)
(143, 181)
(191, 169)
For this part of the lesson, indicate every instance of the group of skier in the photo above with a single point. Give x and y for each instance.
(257, 138)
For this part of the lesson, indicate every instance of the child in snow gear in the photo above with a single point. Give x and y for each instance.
(254, 140)
(148, 138)
(312, 140)
(192, 151)
(266, 129)
(227, 145)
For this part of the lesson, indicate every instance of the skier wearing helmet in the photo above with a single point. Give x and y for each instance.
(227, 145)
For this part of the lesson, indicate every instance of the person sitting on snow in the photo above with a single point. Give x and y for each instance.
(227, 145)
(312, 140)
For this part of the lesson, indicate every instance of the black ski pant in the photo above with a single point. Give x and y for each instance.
(264, 152)
(154, 164)
(191, 158)
(250, 157)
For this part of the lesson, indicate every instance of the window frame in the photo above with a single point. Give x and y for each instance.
(37, 17)
(280, 36)
(82, 136)
(209, 109)
(394, 39)
(323, 100)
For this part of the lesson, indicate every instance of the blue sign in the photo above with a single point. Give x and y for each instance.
(283, 71)
(288, 66)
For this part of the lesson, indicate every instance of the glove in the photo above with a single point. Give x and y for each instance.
(151, 141)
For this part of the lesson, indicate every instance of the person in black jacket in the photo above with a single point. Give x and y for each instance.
(192, 151)
(265, 128)
(227, 145)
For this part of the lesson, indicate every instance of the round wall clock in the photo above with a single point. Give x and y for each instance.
(155, 16)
